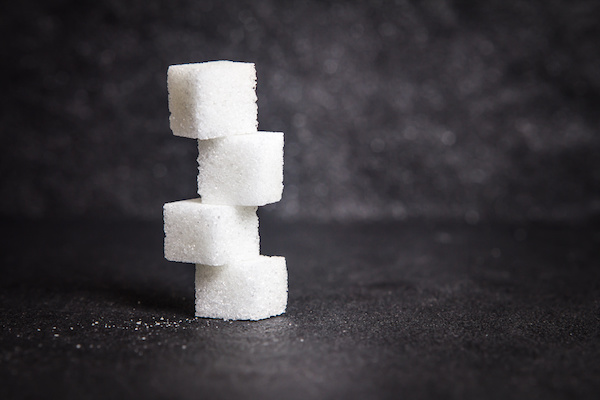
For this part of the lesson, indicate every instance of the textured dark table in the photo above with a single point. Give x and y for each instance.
(407, 310)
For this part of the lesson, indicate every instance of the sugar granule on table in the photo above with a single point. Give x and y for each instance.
(239, 169)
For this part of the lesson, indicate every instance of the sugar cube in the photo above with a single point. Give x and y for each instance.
(209, 234)
(251, 289)
(212, 99)
(242, 170)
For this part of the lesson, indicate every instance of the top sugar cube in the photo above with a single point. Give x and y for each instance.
(212, 99)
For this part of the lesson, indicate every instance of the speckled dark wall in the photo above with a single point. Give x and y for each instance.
(438, 109)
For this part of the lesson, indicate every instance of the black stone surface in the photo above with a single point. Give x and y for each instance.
(399, 311)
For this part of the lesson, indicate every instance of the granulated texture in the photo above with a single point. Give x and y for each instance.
(212, 99)
(209, 234)
(241, 169)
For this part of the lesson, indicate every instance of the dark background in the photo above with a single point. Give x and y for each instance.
(438, 109)
(439, 218)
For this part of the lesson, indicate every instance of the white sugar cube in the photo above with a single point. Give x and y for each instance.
(209, 234)
(251, 289)
(212, 99)
(242, 170)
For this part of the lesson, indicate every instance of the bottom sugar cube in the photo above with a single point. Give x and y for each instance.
(251, 289)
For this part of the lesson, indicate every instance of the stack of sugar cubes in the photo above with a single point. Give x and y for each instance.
(240, 169)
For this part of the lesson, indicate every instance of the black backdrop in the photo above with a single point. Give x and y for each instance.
(441, 113)
(440, 109)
